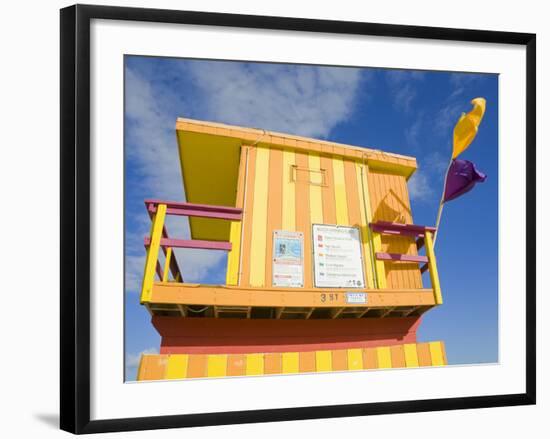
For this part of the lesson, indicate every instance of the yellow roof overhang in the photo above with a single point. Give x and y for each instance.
(209, 158)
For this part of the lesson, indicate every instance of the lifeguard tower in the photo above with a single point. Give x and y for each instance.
(324, 264)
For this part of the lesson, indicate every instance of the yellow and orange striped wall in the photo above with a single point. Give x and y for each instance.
(284, 182)
(183, 366)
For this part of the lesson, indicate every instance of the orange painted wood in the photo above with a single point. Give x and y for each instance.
(174, 293)
(236, 365)
(303, 222)
(196, 368)
(307, 361)
(247, 227)
(340, 359)
(152, 367)
(328, 196)
(370, 360)
(397, 356)
(273, 363)
(390, 202)
(424, 356)
(274, 207)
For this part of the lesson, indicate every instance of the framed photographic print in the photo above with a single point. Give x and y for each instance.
(268, 218)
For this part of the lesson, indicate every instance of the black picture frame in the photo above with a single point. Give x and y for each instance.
(75, 217)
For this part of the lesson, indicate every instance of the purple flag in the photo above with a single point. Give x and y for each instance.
(461, 178)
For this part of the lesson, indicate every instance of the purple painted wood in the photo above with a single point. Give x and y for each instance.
(159, 270)
(400, 257)
(388, 228)
(196, 210)
(192, 243)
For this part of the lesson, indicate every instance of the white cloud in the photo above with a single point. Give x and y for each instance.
(303, 100)
(402, 85)
(420, 188)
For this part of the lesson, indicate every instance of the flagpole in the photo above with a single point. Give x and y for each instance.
(441, 202)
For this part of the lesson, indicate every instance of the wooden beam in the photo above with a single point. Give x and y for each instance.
(363, 313)
(335, 313)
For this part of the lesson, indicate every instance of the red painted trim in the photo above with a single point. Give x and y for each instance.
(191, 243)
(400, 257)
(209, 335)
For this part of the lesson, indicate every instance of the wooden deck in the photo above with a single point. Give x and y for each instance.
(196, 300)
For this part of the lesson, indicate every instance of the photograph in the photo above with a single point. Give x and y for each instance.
(285, 218)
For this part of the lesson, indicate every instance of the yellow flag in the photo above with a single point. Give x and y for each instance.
(466, 127)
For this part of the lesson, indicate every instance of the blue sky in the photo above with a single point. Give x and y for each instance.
(401, 111)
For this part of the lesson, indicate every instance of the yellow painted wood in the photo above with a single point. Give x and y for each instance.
(411, 355)
(383, 355)
(379, 265)
(152, 253)
(217, 365)
(291, 362)
(340, 191)
(177, 366)
(315, 189)
(323, 361)
(167, 264)
(254, 364)
(355, 359)
(289, 191)
(365, 232)
(432, 266)
(259, 219)
(232, 275)
(436, 353)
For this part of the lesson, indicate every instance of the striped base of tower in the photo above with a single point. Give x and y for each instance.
(183, 366)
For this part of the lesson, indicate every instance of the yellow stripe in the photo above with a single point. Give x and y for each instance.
(340, 191)
(259, 219)
(384, 357)
(152, 254)
(217, 366)
(355, 359)
(411, 355)
(167, 264)
(436, 353)
(254, 364)
(177, 366)
(289, 191)
(367, 251)
(323, 361)
(315, 189)
(432, 265)
(291, 362)
(232, 276)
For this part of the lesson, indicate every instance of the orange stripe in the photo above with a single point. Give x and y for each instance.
(236, 365)
(152, 367)
(329, 202)
(352, 194)
(370, 360)
(340, 359)
(196, 368)
(273, 363)
(424, 356)
(397, 356)
(247, 231)
(307, 361)
(274, 207)
(303, 223)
